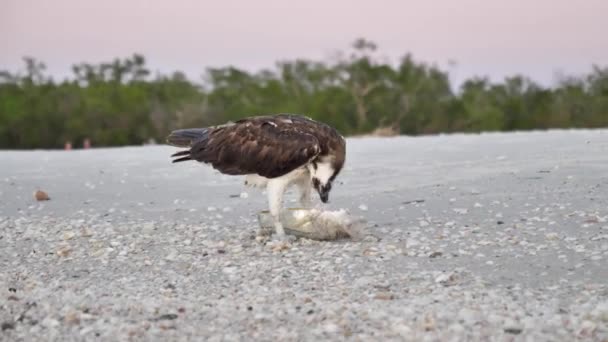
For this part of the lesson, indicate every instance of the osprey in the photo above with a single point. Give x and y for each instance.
(272, 152)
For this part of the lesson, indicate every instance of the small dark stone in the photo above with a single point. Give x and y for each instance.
(513, 331)
(8, 326)
(435, 254)
(413, 201)
(205, 254)
(13, 298)
(221, 251)
(181, 310)
(500, 222)
(249, 308)
(166, 317)
(310, 312)
(12, 289)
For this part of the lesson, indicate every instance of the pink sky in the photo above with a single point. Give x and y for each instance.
(494, 38)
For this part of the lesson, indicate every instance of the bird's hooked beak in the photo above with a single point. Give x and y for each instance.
(323, 190)
(324, 196)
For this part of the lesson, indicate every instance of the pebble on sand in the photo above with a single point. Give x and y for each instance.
(40, 195)
(64, 251)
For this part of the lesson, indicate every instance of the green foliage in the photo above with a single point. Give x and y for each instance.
(120, 103)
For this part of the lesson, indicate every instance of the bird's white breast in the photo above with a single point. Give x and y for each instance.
(257, 181)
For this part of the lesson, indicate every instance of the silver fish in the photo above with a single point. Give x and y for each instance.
(308, 223)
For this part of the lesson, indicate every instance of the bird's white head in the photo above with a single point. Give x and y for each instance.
(322, 174)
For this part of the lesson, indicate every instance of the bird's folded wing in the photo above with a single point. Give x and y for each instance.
(269, 148)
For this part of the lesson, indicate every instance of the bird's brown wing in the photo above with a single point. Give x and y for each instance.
(267, 146)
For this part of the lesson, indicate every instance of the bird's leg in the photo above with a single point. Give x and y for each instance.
(304, 187)
(275, 200)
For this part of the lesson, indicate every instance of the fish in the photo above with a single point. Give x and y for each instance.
(314, 224)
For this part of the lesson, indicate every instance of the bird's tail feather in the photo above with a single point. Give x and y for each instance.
(181, 159)
(186, 138)
(185, 155)
(180, 153)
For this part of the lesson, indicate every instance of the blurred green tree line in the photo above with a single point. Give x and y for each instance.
(121, 103)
